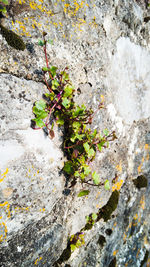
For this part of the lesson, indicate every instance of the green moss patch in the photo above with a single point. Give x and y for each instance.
(140, 182)
(106, 211)
(12, 38)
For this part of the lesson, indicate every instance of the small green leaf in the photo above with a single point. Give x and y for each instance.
(65, 102)
(106, 185)
(91, 152)
(53, 70)
(39, 123)
(41, 43)
(73, 247)
(96, 178)
(76, 124)
(45, 69)
(68, 90)
(99, 147)
(50, 41)
(76, 174)
(40, 104)
(4, 2)
(106, 132)
(87, 218)
(3, 9)
(83, 193)
(87, 170)
(86, 147)
(65, 76)
(68, 168)
(55, 84)
(60, 122)
(94, 216)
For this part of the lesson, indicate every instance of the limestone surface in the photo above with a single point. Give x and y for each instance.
(106, 46)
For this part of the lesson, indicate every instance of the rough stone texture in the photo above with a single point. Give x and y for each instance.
(106, 46)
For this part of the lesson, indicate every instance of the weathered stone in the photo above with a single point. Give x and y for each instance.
(106, 46)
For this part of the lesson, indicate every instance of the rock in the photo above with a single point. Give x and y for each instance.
(106, 46)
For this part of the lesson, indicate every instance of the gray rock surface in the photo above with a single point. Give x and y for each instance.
(106, 46)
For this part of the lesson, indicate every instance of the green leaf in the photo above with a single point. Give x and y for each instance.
(40, 104)
(53, 70)
(68, 90)
(51, 96)
(96, 178)
(39, 122)
(45, 69)
(65, 102)
(91, 153)
(50, 41)
(65, 76)
(87, 218)
(107, 185)
(83, 193)
(94, 133)
(76, 174)
(76, 124)
(68, 168)
(87, 170)
(94, 216)
(55, 84)
(3, 9)
(73, 247)
(4, 2)
(99, 147)
(60, 122)
(86, 147)
(41, 43)
(106, 132)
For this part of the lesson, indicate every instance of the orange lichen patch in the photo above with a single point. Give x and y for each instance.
(117, 185)
(135, 217)
(146, 146)
(126, 264)
(148, 263)
(139, 167)
(20, 209)
(102, 98)
(7, 192)
(137, 253)
(124, 237)
(37, 260)
(119, 167)
(115, 224)
(3, 228)
(42, 210)
(3, 175)
(115, 252)
(7, 206)
(97, 195)
(142, 202)
(147, 157)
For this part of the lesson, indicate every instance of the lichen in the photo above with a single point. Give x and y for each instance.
(12, 38)
(106, 211)
(140, 182)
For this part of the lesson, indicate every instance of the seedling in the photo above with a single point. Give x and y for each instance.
(80, 142)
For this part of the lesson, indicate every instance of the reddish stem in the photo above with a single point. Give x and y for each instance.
(47, 84)
(53, 107)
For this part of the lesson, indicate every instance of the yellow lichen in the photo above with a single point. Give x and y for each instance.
(117, 185)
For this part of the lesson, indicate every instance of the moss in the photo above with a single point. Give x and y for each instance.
(64, 256)
(145, 258)
(140, 182)
(101, 241)
(106, 211)
(112, 263)
(12, 38)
